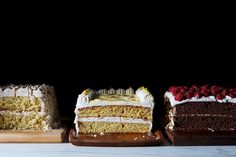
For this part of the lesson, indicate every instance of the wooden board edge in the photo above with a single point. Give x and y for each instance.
(73, 139)
(32, 136)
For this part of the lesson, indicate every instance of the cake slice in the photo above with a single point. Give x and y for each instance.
(28, 107)
(114, 111)
(201, 108)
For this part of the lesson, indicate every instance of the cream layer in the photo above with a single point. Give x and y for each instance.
(173, 102)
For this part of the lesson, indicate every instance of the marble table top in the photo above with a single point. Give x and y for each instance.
(69, 150)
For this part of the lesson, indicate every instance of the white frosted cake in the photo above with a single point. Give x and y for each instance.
(114, 111)
(28, 107)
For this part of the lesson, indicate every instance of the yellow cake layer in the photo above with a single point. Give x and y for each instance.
(112, 127)
(116, 111)
(20, 104)
(22, 122)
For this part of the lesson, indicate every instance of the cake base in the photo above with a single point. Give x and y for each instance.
(116, 140)
(32, 136)
(197, 138)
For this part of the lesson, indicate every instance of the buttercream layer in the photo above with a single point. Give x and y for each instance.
(115, 97)
(114, 119)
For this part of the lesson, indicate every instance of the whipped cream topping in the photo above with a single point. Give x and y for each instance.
(142, 98)
(173, 102)
(29, 90)
(112, 119)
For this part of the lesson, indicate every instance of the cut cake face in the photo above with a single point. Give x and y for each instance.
(201, 108)
(28, 107)
(114, 111)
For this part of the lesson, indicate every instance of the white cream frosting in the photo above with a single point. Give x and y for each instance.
(114, 119)
(129, 91)
(22, 91)
(8, 92)
(29, 90)
(142, 98)
(173, 102)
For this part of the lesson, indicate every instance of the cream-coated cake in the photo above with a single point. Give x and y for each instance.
(28, 107)
(114, 111)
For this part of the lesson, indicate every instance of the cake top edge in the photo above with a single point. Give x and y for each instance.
(119, 91)
(205, 93)
(33, 86)
(25, 90)
(118, 96)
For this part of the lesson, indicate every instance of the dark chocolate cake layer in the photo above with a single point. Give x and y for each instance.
(205, 123)
(211, 108)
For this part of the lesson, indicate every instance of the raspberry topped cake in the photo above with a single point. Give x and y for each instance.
(114, 111)
(201, 108)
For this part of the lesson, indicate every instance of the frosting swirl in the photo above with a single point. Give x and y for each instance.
(129, 91)
(120, 91)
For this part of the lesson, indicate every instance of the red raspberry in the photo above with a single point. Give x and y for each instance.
(214, 90)
(171, 88)
(179, 97)
(184, 87)
(225, 92)
(205, 86)
(232, 95)
(205, 92)
(197, 95)
(220, 96)
(183, 90)
(195, 88)
(174, 90)
(232, 89)
(189, 95)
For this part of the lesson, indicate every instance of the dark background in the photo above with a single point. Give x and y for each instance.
(73, 51)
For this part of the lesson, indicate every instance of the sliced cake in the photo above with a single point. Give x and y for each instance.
(114, 111)
(28, 107)
(201, 108)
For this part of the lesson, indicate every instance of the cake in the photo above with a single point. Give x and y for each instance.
(201, 108)
(28, 107)
(114, 111)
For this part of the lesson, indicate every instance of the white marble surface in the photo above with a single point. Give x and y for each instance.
(68, 150)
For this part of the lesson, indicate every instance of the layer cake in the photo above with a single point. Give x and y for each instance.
(28, 107)
(201, 108)
(114, 111)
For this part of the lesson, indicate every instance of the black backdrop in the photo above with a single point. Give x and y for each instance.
(105, 52)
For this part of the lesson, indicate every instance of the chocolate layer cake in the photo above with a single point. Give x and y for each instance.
(114, 111)
(201, 108)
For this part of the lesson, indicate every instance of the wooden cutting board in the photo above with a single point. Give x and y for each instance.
(199, 138)
(114, 140)
(32, 136)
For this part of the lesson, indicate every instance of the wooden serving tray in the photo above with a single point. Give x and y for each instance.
(115, 140)
(32, 136)
(197, 138)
